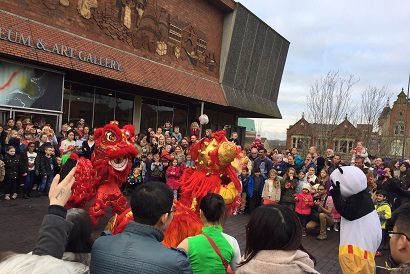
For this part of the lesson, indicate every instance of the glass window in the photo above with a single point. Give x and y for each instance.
(396, 148)
(104, 107)
(81, 104)
(124, 108)
(399, 129)
(165, 113)
(66, 105)
(343, 146)
(180, 118)
(149, 114)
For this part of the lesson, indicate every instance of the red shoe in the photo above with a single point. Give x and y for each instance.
(378, 254)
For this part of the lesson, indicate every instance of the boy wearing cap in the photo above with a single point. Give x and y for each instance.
(383, 210)
(304, 204)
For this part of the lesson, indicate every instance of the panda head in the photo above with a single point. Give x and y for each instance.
(352, 180)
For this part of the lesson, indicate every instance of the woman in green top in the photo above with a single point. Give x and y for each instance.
(202, 255)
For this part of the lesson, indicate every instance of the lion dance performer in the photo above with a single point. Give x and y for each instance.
(214, 173)
(100, 179)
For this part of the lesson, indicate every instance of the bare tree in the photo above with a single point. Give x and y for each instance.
(329, 101)
(373, 100)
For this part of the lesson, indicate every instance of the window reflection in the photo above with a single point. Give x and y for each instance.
(66, 105)
(124, 108)
(81, 103)
(155, 113)
(148, 114)
(180, 118)
(104, 107)
(165, 113)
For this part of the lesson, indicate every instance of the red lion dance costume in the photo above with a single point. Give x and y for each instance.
(108, 169)
(111, 164)
(213, 173)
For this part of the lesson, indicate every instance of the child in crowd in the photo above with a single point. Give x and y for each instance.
(301, 181)
(13, 169)
(271, 190)
(158, 133)
(194, 129)
(174, 173)
(189, 163)
(46, 169)
(336, 219)
(143, 166)
(179, 154)
(323, 178)
(311, 177)
(156, 169)
(177, 134)
(234, 138)
(244, 177)
(135, 177)
(255, 186)
(288, 189)
(383, 209)
(304, 204)
(167, 128)
(148, 163)
(31, 166)
(78, 144)
(360, 151)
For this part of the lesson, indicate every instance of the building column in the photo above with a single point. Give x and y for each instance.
(136, 118)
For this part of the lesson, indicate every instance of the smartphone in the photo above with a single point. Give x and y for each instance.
(66, 168)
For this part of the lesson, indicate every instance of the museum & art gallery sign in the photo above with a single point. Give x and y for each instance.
(20, 38)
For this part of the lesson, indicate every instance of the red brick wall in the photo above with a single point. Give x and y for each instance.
(138, 66)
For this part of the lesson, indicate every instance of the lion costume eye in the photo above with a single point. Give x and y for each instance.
(110, 136)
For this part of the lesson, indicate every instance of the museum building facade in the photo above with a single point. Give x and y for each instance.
(137, 61)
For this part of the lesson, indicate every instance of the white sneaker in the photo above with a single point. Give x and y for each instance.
(328, 229)
(7, 197)
(14, 196)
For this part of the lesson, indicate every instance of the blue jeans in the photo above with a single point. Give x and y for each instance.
(29, 181)
(45, 183)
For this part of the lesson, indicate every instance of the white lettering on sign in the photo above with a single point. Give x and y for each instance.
(16, 37)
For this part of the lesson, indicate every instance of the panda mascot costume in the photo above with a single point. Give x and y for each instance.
(360, 233)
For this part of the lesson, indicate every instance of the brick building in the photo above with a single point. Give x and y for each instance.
(341, 138)
(394, 130)
(137, 61)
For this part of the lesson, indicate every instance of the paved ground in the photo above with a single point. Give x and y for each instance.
(21, 220)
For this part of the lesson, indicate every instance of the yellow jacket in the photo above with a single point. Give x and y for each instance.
(383, 209)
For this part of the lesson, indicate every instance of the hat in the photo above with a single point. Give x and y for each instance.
(306, 186)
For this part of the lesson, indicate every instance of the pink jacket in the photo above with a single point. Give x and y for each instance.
(304, 203)
(335, 215)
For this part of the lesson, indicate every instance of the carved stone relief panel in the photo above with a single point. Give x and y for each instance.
(142, 24)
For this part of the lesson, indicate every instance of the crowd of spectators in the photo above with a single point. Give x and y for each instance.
(279, 189)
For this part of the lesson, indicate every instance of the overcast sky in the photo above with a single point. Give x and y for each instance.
(369, 39)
